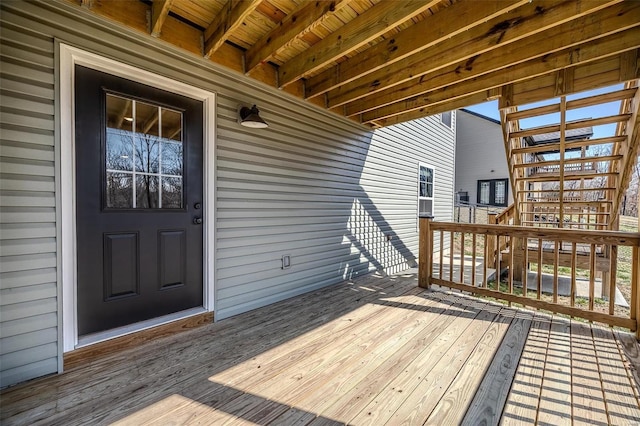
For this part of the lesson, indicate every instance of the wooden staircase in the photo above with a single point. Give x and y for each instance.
(561, 176)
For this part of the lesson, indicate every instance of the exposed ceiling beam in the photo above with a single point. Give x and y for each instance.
(159, 12)
(227, 21)
(306, 17)
(587, 52)
(373, 23)
(592, 75)
(447, 23)
(464, 52)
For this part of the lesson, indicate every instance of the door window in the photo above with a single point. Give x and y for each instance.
(143, 155)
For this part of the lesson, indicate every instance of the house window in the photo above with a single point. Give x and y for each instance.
(445, 118)
(493, 192)
(425, 190)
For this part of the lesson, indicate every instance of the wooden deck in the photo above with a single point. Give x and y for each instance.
(376, 350)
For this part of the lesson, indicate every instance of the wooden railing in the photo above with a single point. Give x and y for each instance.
(583, 255)
(506, 217)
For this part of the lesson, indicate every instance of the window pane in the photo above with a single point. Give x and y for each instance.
(171, 193)
(423, 189)
(426, 174)
(484, 192)
(146, 192)
(429, 190)
(119, 155)
(171, 158)
(147, 153)
(171, 125)
(446, 118)
(119, 190)
(119, 143)
(500, 192)
(147, 138)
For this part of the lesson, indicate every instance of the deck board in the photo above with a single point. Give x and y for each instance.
(524, 397)
(488, 402)
(375, 350)
(588, 399)
(555, 398)
(622, 405)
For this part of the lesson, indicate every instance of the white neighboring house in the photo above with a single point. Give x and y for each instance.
(482, 174)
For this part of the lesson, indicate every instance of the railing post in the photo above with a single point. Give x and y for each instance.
(635, 288)
(425, 252)
(492, 244)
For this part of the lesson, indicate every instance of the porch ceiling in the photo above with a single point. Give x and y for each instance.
(382, 62)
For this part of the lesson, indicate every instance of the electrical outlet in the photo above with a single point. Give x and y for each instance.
(286, 261)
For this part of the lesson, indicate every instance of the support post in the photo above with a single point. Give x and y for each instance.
(491, 244)
(635, 288)
(425, 252)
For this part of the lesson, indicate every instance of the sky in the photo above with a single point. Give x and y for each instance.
(490, 109)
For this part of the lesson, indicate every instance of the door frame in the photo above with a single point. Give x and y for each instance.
(70, 56)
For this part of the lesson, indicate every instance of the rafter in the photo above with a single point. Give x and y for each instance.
(529, 33)
(366, 27)
(584, 53)
(159, 12)
(307, 16)
(593, 75)
(227, 21)
(449, 22)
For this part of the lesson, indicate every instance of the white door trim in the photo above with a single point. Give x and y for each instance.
(69, 57)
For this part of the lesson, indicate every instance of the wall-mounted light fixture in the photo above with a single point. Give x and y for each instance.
(250, 117)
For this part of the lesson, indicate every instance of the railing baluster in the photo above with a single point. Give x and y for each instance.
(556, 262)
(511, 262)
(635, 291)
(613, 269)
(486, 259)
(441, 254)
(539, 295)
(451, 253)
(592, 276)
(462, 257)
(473, 260)
(431, 253)
(525, 265)
(574, 263)
(498, 266)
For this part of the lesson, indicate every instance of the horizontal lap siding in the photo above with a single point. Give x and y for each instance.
(313, 186)
(401, 148)
(28, 289)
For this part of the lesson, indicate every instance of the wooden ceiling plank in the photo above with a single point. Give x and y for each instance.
(366, 27)
(593, 75)
(229, 19)
(585, 53)
(450, 21)
(531, 35)
(302, 20)
(159, 12)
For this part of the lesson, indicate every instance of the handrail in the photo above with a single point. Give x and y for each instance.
(583, 252)
(503, 217)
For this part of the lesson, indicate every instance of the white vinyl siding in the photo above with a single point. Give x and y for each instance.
(314, 186)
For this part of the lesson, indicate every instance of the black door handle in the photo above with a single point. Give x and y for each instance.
(197, 220)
